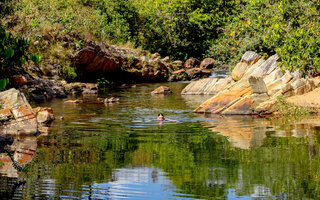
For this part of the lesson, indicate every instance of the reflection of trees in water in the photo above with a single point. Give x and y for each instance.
(197, 160)
(71, 157)
(205, 164)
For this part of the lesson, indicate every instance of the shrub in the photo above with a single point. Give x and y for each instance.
(68, 72)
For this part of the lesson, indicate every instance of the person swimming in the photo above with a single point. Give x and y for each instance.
(161, 118)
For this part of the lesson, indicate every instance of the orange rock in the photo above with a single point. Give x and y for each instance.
(44, 114)
(5, 114)
(162, 90)
(178, 71)
(22, 112)
(225, 98)
(242, 107)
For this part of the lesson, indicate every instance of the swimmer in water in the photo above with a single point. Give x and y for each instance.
(161, 118)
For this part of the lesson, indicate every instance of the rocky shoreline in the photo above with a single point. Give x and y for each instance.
(113, 64)
(252, 88)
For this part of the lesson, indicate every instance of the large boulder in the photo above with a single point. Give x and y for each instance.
(207, 63)
(119, 64)
(18, 117)
(93, 58)
(192, 63)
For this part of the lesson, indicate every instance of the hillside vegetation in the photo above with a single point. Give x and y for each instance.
(220, 29)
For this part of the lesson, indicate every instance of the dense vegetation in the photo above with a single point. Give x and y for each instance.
(220, 29)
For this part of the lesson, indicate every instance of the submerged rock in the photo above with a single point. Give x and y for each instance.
(111, 100)
(162, 90)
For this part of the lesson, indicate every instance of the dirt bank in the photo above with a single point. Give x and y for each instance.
(308, 100)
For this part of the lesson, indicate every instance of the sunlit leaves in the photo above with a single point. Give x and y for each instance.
(288, 28)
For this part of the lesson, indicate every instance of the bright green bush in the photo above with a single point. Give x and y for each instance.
(289, 28)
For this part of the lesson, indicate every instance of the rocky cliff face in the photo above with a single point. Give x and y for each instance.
(252, 88)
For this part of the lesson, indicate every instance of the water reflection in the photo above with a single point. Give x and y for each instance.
(245, 132)
(24, 149)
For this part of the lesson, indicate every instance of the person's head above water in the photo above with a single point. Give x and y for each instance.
(160, 117)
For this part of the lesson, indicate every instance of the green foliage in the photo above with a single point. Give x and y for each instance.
(12, 50)
(103, 83)
(68, 72)
(182, 28)
(13, 53)
(35, 58)
(288, 28)
(3, 83)
(286, 108)
(220, 29)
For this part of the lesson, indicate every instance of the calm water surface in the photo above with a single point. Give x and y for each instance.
(118, 151)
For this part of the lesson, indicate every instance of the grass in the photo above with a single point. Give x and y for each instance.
(285, 108)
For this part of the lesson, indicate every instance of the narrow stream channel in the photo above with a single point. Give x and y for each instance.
(118, 151)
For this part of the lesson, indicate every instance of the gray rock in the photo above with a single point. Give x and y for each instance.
(257, 85)
(250, 57)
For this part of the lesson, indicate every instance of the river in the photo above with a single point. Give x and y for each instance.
(118, 151)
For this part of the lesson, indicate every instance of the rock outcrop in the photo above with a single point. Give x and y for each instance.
(18, 117)
(120, 64)
(208, 86)
(251, 89)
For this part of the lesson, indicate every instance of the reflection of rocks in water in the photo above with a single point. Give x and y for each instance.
(24, 149)
(249, 131)
(9, 187)
(242, 131)
(195, 100)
